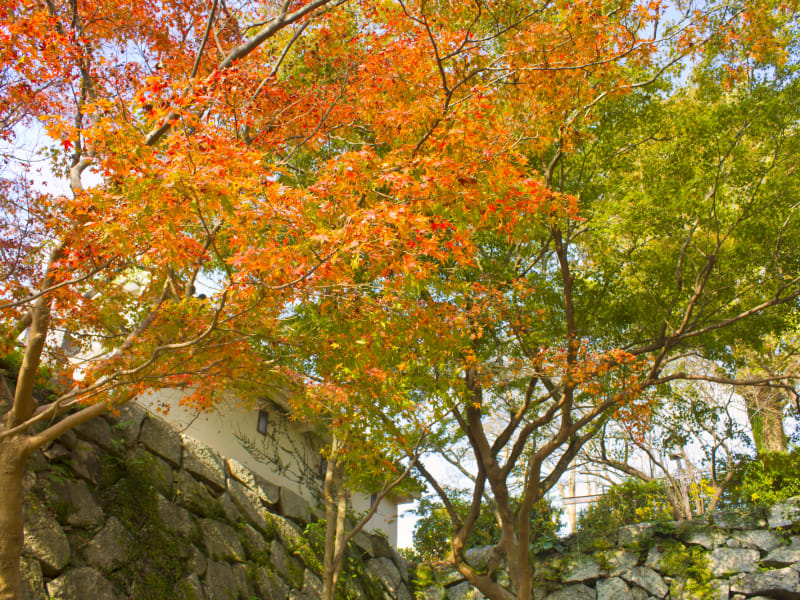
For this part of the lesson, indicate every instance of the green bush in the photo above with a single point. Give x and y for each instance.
(632, 501)
(434, 530)
(767, 479)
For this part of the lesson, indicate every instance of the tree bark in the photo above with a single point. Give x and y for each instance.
(13, 454)
(765, 413)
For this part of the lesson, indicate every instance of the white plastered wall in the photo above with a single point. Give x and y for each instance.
(288, 456)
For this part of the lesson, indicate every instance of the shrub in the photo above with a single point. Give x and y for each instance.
(767, 479)
(632, 501)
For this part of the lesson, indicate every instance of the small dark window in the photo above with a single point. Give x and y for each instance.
(263, 420)
(372, 500)
(323, 468)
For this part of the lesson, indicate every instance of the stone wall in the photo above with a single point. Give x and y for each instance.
(125, 507)
(732, 556)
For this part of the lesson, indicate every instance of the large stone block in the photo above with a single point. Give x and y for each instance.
(194, 496)
(44, 539)
(111, 547)
(175, 519)
(778, 583)
(266, 491)
(294, 506)
(97, 430)
(573, 592)
(32, 580)
(248, 502)
(760, 539)
(784, 556)
(220, 582)
(728, 561)
(127, 422)
(647, 579)
(203, 462)
(221, 542)
(613, 588)
(161, 439)
(83, 583)
(785, 514)
(84, 511)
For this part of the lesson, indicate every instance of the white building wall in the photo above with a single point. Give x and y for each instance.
(287, 456)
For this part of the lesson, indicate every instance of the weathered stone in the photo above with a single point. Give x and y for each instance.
(203, 462)
(229, 510)
(56, 452)
(290, 535)
(647, 579)
(478, 558)
(44, 539)
(778, 583)
(759, 539)
(574, 592)
(432, 593)
(158, 470)
(784, 556)
(221, 541)
(85, 512)
(294, 506)
(736, 519)
(248, 503)
(98, 431)
(81, 584)
(278, 558)
(127, 422)
(618, 561)
(195, 560)
(653, 559)
(220, 582)
(269, 587)
(694, 533)
(254, 544)
(727, 561)
(638, 593)
(110, 548)
(242, 582)
(463, 591)
(193, 495)
(630, 535)
(312, 585)
(161, 439)
(190, 588)
(86, 461)
(384, 571)
(613, 588)
(446, 577)
(266, 491)
(175, 519)
(32, 581)
(582, 568)
(785, 514)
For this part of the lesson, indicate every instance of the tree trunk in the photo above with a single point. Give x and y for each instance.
(12, 469)
(765, 412)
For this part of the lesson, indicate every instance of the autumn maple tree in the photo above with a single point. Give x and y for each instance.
(420, 212)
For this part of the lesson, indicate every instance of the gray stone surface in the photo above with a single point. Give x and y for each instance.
(312, 585)
(221, 542)
(784, 556)
(294, 507)
(96, 430)
(111, 547)
(478, 558)
(727, 561)
(279, 558)
(463, 591)
(127, 422)
(266, 491)
(573, 592)
(220, 582)
(83, 583)
(617, 561)
(176, 519)
(269, 587)
(203, 462)
(760, 539)
(190, 588)
(195, 560)
(581, 568)
(385, 571)
(255, 546)
(158, 437)
(647, 579)
(432, 593)
(160, 470)
(32, 580)
(784, 514)
(86, 461)
(248, 502)
(44, 538)
(194, 496)
(613, 588)
(85, 512)
(777, 583)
